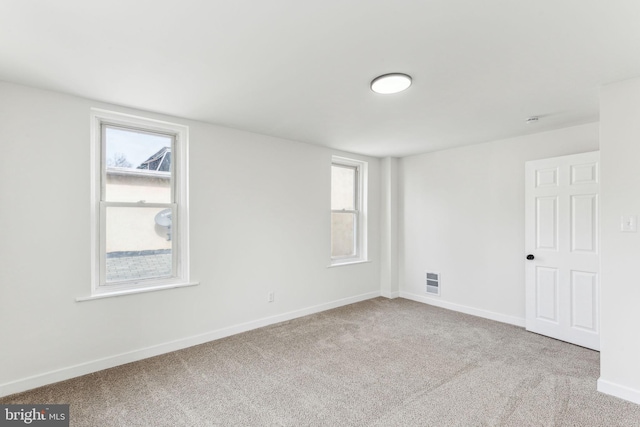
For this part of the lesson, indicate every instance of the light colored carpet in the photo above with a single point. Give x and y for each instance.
(376, 363)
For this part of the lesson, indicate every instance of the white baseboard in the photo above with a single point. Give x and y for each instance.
(133, 356)
(436, 301)
(617, 390)
(390, 295)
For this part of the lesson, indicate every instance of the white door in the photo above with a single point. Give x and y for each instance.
(562, 248)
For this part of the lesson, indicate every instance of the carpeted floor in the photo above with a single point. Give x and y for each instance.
(376, 363)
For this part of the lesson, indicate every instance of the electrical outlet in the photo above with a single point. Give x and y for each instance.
(271, 297)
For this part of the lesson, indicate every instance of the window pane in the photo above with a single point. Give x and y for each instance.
(343, 233)
(138, 243)
(137, 165)
(343, 184)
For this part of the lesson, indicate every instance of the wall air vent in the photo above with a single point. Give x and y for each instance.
(433, 283)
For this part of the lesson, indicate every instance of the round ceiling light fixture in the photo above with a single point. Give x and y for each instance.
(391, 83)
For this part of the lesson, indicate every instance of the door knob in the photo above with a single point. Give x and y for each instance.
(530, 257)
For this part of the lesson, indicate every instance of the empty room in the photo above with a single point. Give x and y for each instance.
(337, 213)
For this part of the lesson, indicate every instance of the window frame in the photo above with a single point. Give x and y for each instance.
(179, 202)
(359, 211)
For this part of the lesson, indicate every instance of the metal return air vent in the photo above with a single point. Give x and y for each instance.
(433, 283)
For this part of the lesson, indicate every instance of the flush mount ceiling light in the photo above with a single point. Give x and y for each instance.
(391, 83)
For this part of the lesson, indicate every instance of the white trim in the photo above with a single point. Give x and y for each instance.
(143, 353)
(139, 204)
(390, 295)
(179, 202)
(620, 391)
(135, 291)
(348, 261)
(491, 315)
(362, 229)
(94, 179)
(138, 172)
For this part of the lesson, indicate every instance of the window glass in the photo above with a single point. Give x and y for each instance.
(137, 166)
(343, 234)
(138, 243)
(343, 187)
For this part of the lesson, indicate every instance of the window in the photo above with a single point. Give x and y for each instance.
(348, 211)
(139, 207)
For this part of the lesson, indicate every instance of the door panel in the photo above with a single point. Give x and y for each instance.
(583, 300)
(584, 174)
(547, 294)
(547, 177)
(584, 228)
(547, 223)
(561, 220)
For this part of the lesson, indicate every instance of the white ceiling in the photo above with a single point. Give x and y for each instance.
(301, 69)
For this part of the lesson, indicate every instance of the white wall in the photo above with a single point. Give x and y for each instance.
(620, 261)
(462, 215)
(389, 286)
(259, 222)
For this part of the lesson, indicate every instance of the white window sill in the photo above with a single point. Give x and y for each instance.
(135, 291)
(342, 263)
